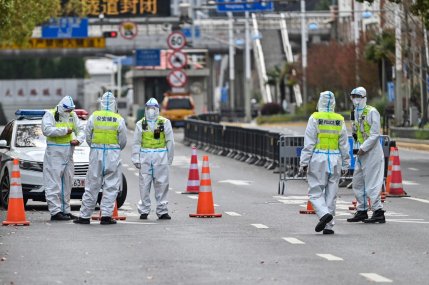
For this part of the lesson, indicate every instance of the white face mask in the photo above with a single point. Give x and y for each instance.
(356, 101)
(151, 113)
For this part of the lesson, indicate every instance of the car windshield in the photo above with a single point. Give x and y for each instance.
(30, 136)
(179, 103)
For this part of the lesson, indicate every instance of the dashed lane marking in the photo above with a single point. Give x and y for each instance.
(376, 278)
(237, 182)
(329, 257)
(413, 169)
(234, 214)
(260, 226)
(410, 221)
(417, 199)
(293, 240)
(409, 183)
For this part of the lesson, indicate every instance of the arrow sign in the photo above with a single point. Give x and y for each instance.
(178, 60)
(177, 78)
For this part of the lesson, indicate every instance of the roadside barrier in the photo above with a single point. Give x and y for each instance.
(396, 188)
(115, 215)
(16, 209)
(205, 207)
(193, 186)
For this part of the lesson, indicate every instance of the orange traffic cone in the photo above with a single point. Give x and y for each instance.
(193, 177)
(389, 169)
(396, 187)
(309, 209)
(115, 215)
(16, 210)
(205, 208)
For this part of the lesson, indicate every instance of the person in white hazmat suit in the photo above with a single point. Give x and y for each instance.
(63, 132)
(369, 167)
(152, 153)
(106, 135)
(326, 157)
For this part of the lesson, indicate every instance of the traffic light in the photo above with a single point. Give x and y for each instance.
(110, 34)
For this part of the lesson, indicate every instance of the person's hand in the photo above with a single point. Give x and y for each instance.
(344, 172)
(361, 152)
(75, 143)
(137, 165)
(302, 171)
(69, 131)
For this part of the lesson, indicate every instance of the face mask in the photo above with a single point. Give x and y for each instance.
(151, 113)
(356, 101)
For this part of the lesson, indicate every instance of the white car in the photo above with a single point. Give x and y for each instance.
(22, 138)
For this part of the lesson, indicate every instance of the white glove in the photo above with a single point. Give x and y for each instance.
(302, 171)
(137, 165)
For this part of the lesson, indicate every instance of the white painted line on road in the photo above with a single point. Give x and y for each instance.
(260, 226)
(291, 197)
(237, 182)
(410, 221)
(417, 199)
(413, 169)
(131, 168)
(136, 174)
(193, 197)
(409, 183)
(234, 214)
(136, 223)
(376, 278)
(178, 192)
(216, 205)
(293, 240)
(125, 164)
(329, 257)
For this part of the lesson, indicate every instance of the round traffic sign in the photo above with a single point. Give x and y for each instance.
(128, 30)
(177, 78)
(178, 59)
(176, 40)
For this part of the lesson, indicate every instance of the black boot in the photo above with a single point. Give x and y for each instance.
(377, 217)
(83, 221)
(359, 216)
(60, 217)
(71, 216)
(143, 216)
(323, 221)
(107, 221)
(165, 216)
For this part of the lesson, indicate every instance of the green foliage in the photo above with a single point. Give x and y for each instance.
(283, 118)
(380, 103)
(307, 109)
(383, 47)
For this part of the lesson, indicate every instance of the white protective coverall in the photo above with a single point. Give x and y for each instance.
(104, 171)
(369, 167)
(324, 167)
(58, 165)
(153, 162)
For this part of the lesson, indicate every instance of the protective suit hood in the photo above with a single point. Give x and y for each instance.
(108, 102)
(326, 102)
(66, 104)
(152, 109)
(359, 102)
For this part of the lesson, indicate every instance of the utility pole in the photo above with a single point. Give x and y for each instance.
(398, 66)
(247, 68)
(231, 61)
(304, 52)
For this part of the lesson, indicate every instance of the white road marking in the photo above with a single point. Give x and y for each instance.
(216, 205)
(136, 174)
(291, 197)
(293, 240)
(193, 197)
(131, 168)
(137, 223)
(178, 192)
(410, 221)
(329, 257)
(417, 199)
(292, 202)
(260, 226)
(237, 182)
(234, 214)
(409, 183)
(413, 169)
(376, 278)
(125, 164)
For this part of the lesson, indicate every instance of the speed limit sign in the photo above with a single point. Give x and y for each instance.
(176, 40)
(177, 78)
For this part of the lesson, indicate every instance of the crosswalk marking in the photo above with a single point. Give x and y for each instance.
(293, 240)
(329, 257)
(234, 214)
(376, 277)
(260, 226)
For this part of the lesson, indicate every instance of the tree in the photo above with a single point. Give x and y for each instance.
(19, 17)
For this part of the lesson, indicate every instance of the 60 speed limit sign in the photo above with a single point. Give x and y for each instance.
(176, 40)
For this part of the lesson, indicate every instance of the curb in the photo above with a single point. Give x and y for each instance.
(414, 146)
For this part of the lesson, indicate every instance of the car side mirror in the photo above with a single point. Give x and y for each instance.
(3, 144)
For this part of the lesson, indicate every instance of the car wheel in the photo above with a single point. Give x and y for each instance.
(120, 199)
(5, 189)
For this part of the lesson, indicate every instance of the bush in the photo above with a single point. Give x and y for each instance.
(271, 109)
(283, 118)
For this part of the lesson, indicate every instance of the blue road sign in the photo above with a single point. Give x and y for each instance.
(148, 57)
(187, 31)
(390, 91)
(65, 28)
(244, 5)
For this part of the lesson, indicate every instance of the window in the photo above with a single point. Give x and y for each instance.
(30, 136)
(179, 103)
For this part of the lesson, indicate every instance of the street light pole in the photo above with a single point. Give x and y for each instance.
(304, 52)
(398, 66)
(231, 61)
(247, 69)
